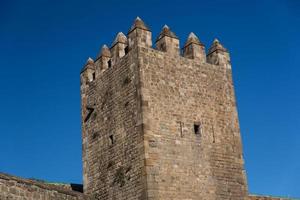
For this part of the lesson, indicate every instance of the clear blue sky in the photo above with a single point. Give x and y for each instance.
(44, 43)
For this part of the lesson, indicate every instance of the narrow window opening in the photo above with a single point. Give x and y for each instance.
(126, 50)
(111, 140)
(213, 131)
(89, 110)
(109, 63)
(94, 76)
(197, 128)
(126, 104)
(181, 128)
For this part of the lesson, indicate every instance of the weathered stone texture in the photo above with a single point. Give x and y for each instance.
(256, 197)
(14, 188)
(112, 135)
(157, 125)
(178, 94)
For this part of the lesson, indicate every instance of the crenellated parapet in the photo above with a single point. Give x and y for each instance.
(103, 60)
(118, 49)
(167, 41)
(140, 35)
(218, 55)
(88, 73)
(194, 49)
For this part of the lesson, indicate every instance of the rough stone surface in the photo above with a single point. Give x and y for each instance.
(181, 94)
(14, 188)
(112, 133)
(256, 197)
(157, 125)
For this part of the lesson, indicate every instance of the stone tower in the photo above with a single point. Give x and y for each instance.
(159, 124)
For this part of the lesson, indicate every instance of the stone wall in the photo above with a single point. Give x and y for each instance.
(112, 135)
(257, 197)
(15, 188)
(179, 94)
(158, 125)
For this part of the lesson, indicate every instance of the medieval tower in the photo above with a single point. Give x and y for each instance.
(161, 123)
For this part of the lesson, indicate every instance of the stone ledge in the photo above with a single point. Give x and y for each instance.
(60, 188)
(265, 197)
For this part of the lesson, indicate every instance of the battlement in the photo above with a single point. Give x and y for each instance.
(139, 35)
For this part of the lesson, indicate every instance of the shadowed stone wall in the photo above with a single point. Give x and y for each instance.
(113, 153)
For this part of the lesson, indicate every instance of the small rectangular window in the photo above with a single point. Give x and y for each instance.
(197, 128)
(109, 63)
(126, 50)
(94, 76)
(111, 140)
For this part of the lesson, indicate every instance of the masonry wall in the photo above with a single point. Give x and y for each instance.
(113, 153)
(158, 124)
(255, 197)
(178, 93)
(14, 188)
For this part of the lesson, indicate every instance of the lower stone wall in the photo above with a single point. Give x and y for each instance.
(15, 188)
(257, 197)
